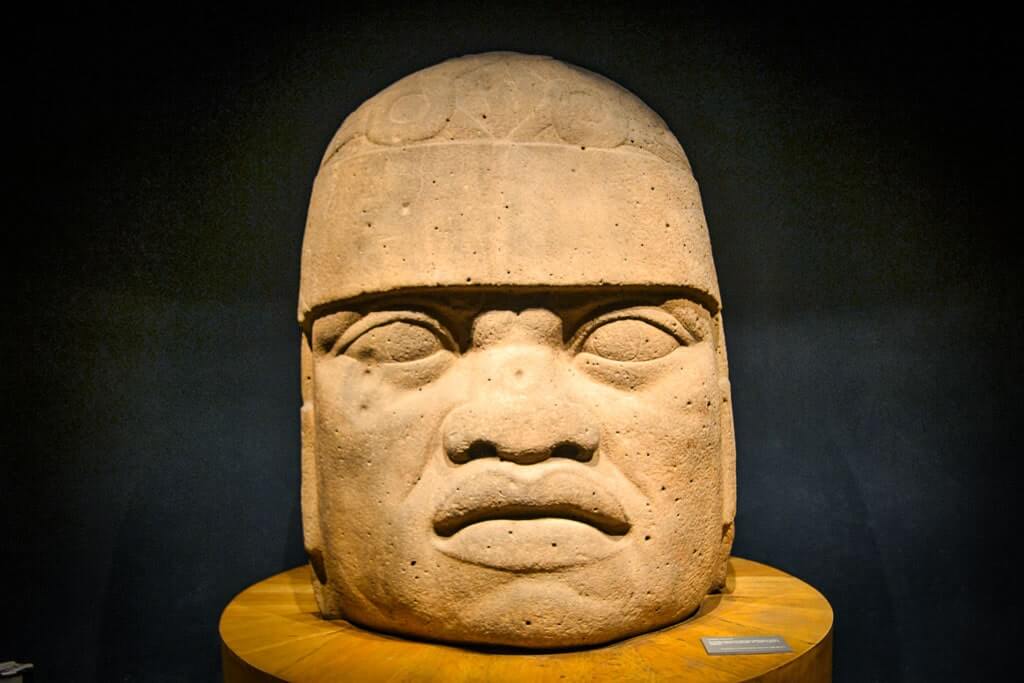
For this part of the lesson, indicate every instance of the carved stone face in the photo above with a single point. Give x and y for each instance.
(498, 445)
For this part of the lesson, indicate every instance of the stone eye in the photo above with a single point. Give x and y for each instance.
(395, 342)
(629, 340)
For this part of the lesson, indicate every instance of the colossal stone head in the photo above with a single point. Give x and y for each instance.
(516, 421)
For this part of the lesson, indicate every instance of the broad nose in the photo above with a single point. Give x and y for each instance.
(522, 413)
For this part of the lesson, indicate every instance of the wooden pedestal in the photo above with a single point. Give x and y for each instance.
(271, 632)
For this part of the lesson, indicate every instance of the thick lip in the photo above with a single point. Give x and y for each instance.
(503, 495)
(449, 526)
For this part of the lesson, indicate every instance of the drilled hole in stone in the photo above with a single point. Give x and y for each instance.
(482, 449)
(568, 450)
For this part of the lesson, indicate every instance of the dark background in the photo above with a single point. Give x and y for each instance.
(856, 173)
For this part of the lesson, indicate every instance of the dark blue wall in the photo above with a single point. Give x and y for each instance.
(854, 171)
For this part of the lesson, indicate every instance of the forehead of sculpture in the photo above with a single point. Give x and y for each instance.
(503, 170)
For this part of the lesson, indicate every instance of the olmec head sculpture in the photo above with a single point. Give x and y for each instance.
(516, 417)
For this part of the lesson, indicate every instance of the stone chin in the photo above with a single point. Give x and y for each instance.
(541, 610)
(546, 612)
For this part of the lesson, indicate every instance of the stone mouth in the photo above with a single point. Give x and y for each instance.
(511, 496)
(608, 524)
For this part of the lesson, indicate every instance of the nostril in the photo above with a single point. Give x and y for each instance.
(481, 449)
(570, 450)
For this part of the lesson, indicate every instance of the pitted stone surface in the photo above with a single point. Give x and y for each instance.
(516, 419)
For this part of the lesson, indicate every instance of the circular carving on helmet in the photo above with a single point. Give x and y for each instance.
(583, 117)
(409, 108)
(410, 111)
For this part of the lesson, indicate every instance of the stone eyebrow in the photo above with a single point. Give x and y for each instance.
(373, 319)
(456, 307)
(691, 315)
(327, 329)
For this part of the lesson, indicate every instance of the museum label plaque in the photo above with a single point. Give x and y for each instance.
(745, 645)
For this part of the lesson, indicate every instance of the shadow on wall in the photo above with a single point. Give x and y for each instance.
(207, 474)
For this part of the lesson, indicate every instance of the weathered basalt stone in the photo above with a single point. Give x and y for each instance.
(516, 416)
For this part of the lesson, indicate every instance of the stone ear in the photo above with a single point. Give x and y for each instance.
(310, 497)
(728, 455)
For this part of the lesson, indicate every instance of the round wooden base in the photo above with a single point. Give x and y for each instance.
(272, 632)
